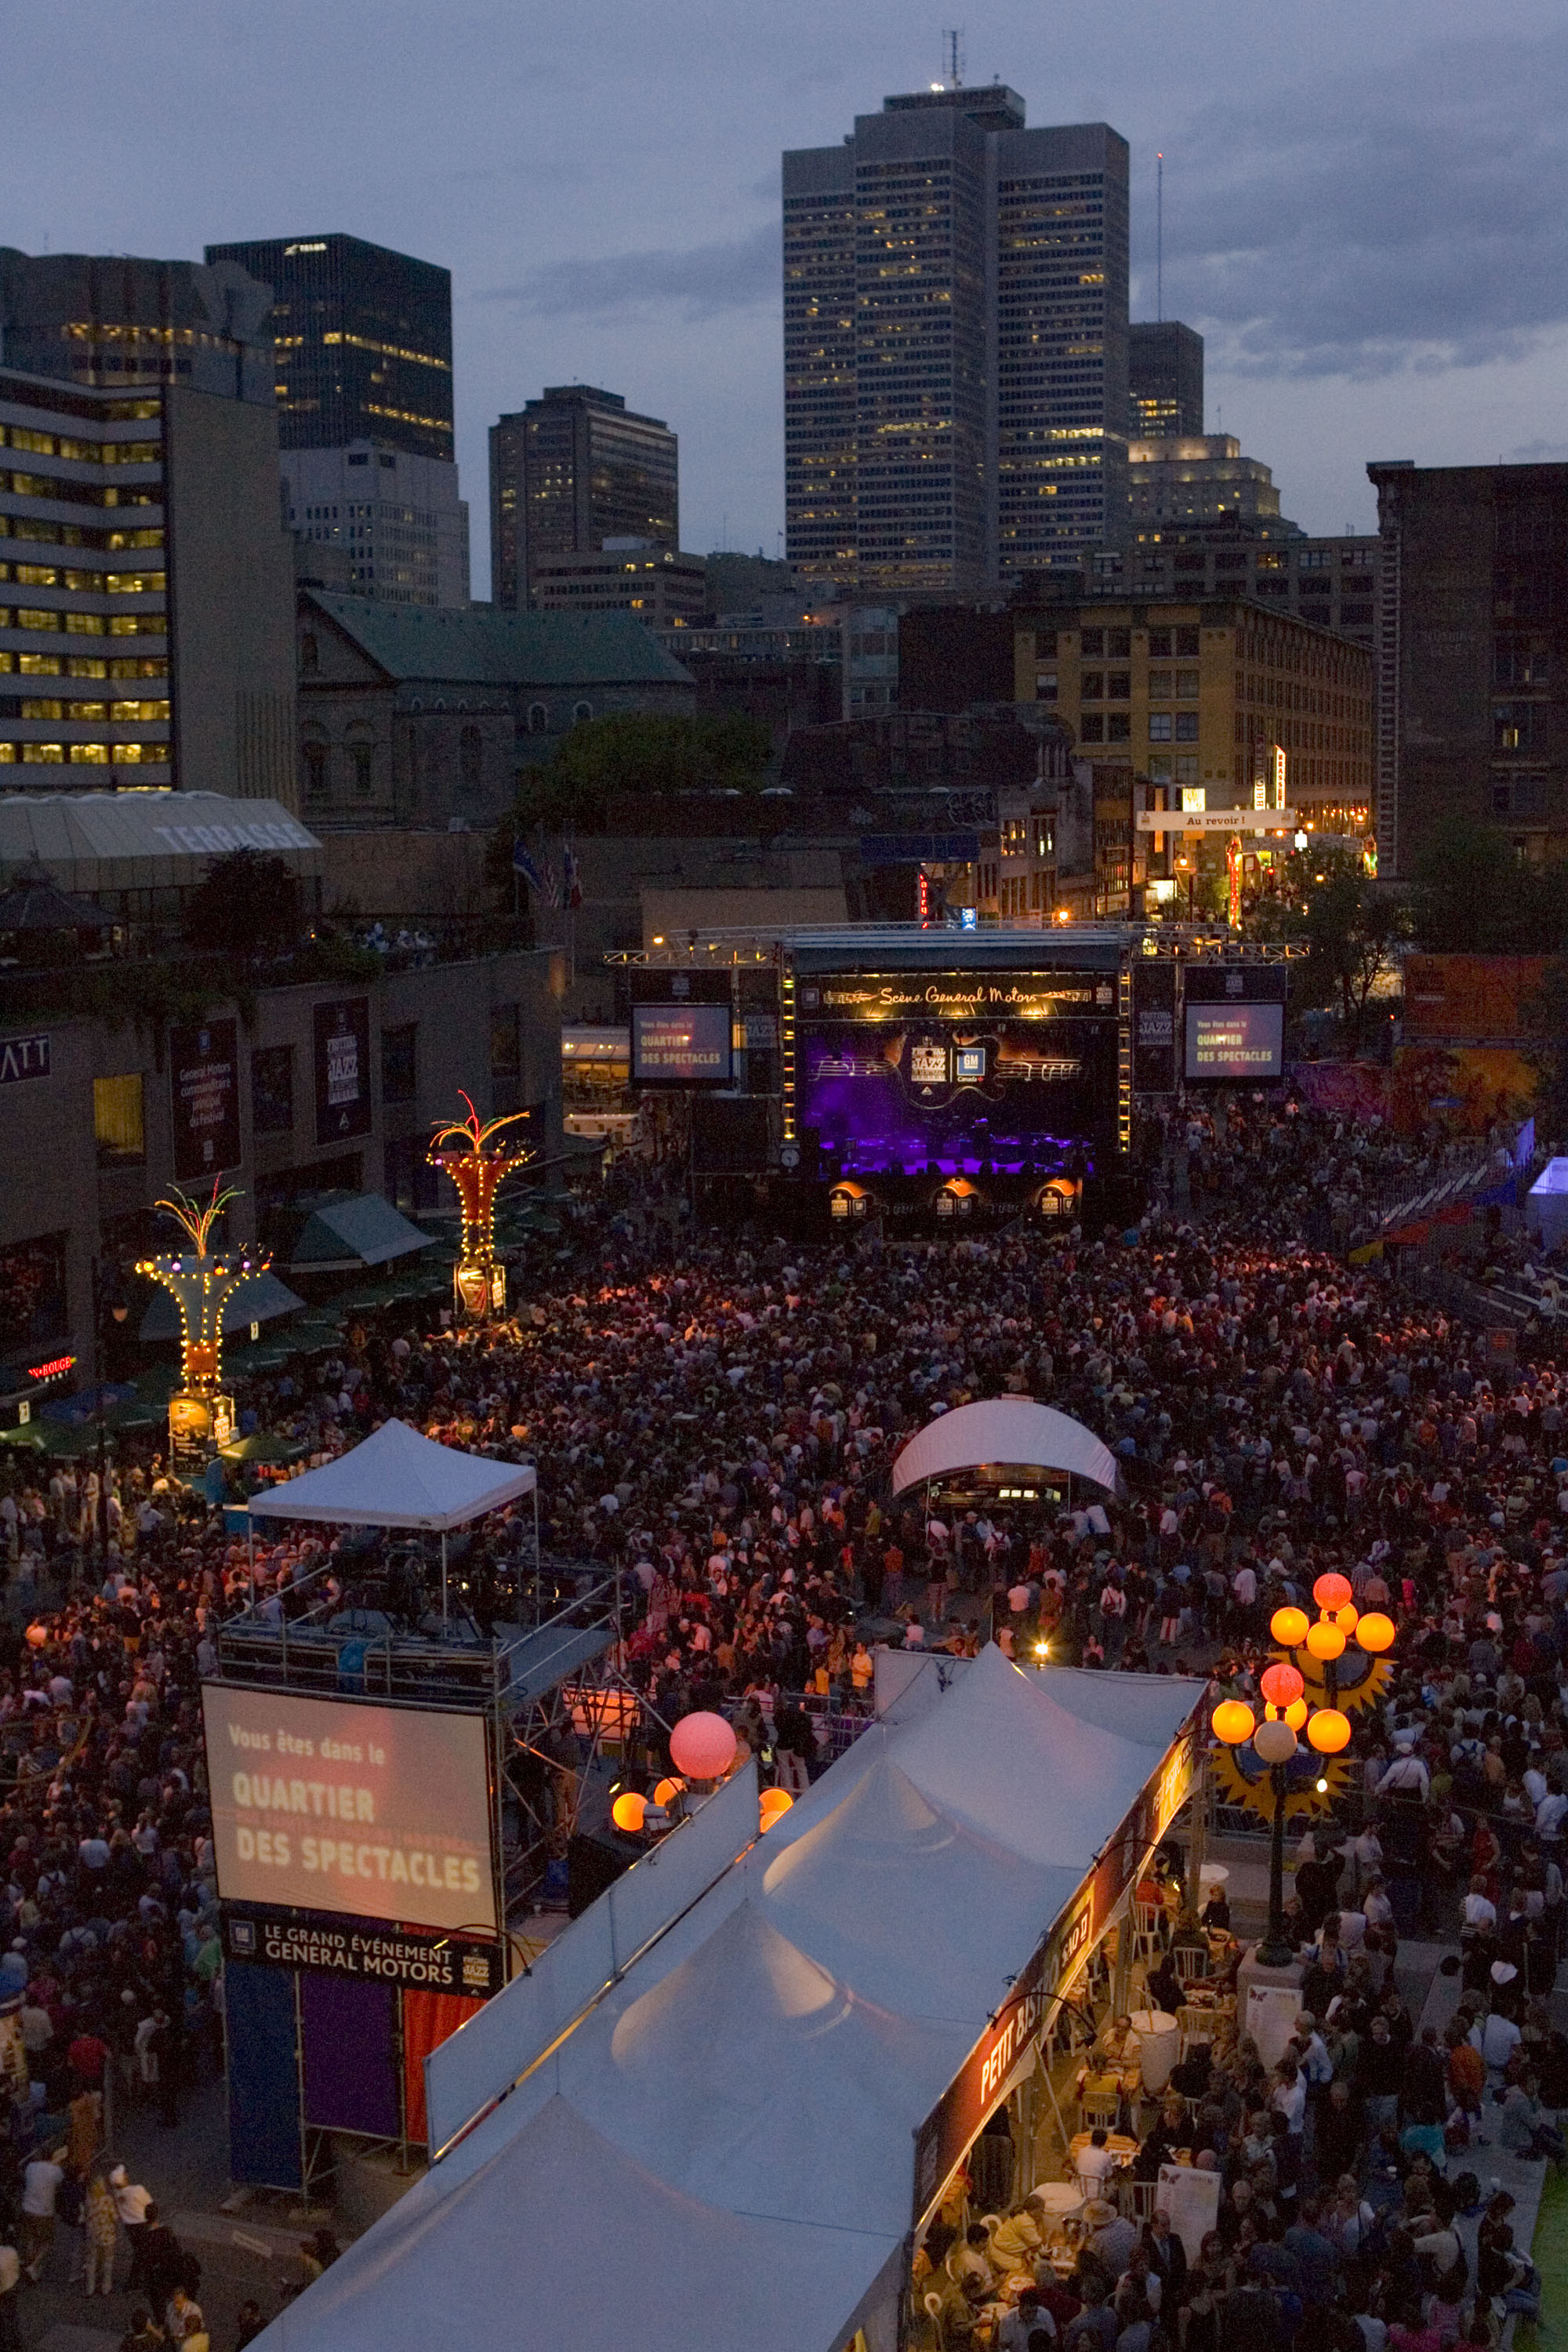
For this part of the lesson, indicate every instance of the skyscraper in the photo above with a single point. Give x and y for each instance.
(570, 471)
(147, 597)
(1165, 381)
(362, 340)
(955, 346)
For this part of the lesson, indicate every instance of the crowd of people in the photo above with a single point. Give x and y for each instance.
(713, 1416)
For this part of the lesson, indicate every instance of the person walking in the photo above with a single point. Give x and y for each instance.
(101, 2231)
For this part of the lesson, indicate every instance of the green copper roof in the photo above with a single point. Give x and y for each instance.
(475, 644)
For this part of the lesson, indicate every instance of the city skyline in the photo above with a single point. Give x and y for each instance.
(1382, 171)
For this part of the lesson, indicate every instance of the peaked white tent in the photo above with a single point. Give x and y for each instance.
(721, 2152)
(555, 2236)
(1004, 1432)
(396, 1478)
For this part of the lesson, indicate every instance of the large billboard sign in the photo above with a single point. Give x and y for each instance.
(323, 1804)
(1011, 1070)
(680, 1045)
(1234, 1042)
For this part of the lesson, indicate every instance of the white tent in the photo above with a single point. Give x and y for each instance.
(732, 2129)
(848, 1890)
(1004, 1432)
(398, 1479)
(552, 2235)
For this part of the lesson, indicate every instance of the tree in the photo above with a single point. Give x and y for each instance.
(1350, 925)
(641, 755)
(1475, 895)
(247, 905)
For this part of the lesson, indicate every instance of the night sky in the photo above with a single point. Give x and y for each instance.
(1366, 205)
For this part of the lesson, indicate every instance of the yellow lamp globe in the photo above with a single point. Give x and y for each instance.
(1329, 1730)
(1234, 1722)
(627, 1811)
(1374, 1632)
(1348, 1618)
(1275, 1742)
(1288, 1628)
(1295, 1713)
(772, 1807)
(1325, 1640)
(667, 1791)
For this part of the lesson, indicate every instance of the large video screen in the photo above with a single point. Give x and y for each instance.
(1015, 1071)
(680, 1045)
(1234, 1042)
(333, 1805)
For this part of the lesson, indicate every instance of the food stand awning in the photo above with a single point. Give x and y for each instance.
(1012, 1433)
(820, 2031)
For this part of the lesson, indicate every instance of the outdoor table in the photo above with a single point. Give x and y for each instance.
(1158, 2043)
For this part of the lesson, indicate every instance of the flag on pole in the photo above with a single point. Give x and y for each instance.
(549, 886)
(573, 878)
(523, 863)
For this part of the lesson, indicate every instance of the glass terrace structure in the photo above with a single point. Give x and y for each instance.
(955, 346)
(363, 342)
(568, 473)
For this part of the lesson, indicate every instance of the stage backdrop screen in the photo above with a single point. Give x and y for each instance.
(1234, 1042)
(1014, 1070)
(680, 1045)
(331, 1805)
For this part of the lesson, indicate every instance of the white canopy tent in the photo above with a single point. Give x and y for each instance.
(1005, 1432)
(751, 2087)
(396, 1478)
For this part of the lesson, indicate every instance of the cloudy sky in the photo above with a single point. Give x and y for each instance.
(1367, 201)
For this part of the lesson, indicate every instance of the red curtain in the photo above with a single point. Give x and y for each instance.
(427, 2019)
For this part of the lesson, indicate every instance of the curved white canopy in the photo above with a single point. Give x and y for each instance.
(1004, 1432)
(397, 1478)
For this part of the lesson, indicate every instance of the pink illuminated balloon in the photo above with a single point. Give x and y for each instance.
(702, 1747)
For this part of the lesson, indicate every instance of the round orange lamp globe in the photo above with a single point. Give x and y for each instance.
(1348, 1618)
(1281, 1685)
(628, 1810)
(773, 1805)
(1329, 1730)
(1332, 1592)
(1234, 1722)
(667, 1791)
(1295, 1713)
(1288, 1627)
(1325, 1640)
(1374, 1632)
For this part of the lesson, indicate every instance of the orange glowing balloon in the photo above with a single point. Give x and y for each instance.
(1375, 1633)
(1325, 1640)
(1288, 1627)
(1234, 1722)
(1329, 1730)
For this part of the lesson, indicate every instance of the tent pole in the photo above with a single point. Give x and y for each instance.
(445, 1628)
(538, 1564)
(250, 1554)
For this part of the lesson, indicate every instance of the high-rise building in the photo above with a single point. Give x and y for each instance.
(117, 320)
(362, 342)
(1331, 582)
(955, 346)
(1164, 381)
(1472, 683)
(570, 471)
(665, 589)
(146, 592)
(1203, 481)
(396, 520)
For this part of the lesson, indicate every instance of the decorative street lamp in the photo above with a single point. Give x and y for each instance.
(1287, 1713)
(463, 1150)
(201, 1285)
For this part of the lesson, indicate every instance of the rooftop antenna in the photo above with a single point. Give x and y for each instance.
(1159, 237)
(952, 43)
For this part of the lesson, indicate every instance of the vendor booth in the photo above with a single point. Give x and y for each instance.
(792, 2070)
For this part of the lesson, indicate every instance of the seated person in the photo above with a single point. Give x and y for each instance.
(972, 2258)
(1095, 2163)
(1215, 1912)
(1018, 2237)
